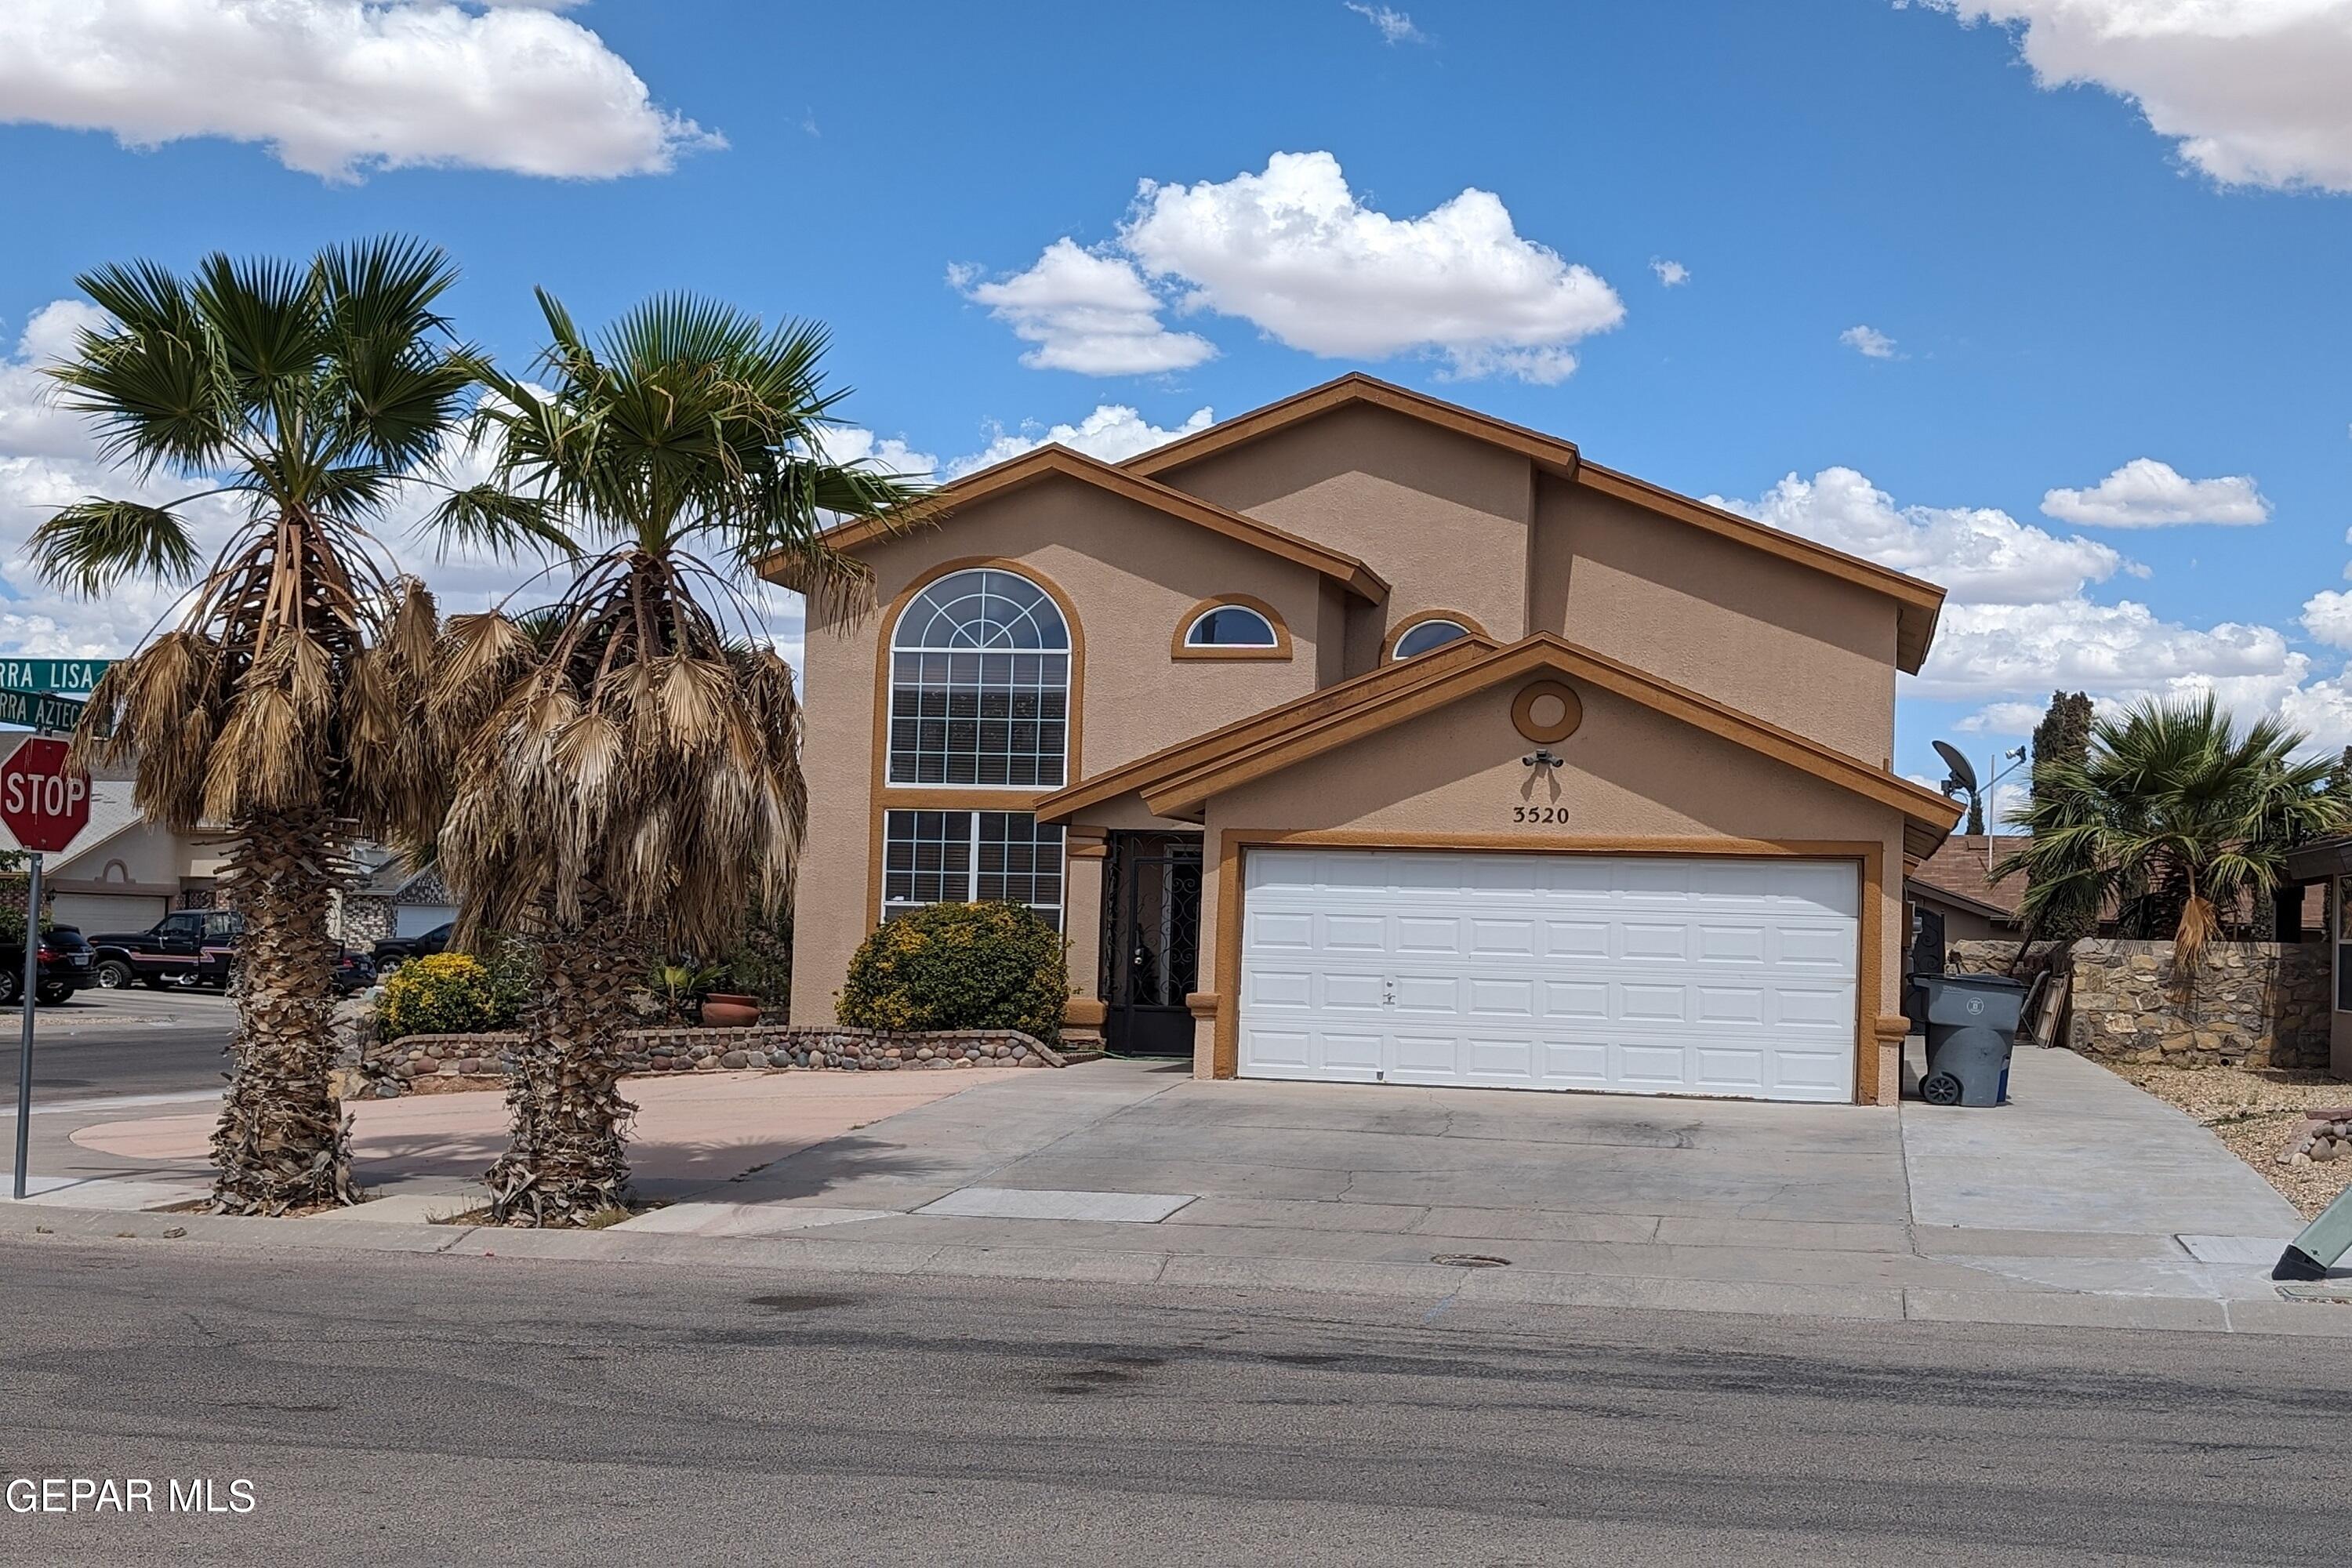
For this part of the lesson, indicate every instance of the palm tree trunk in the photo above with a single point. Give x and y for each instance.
(282, 1142)
(568, 1158)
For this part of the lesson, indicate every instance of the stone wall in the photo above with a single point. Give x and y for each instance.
(2258, 1003)
(2262, 1004)
(388, 1067)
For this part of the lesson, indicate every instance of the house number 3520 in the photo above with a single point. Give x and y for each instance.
(1539, 814)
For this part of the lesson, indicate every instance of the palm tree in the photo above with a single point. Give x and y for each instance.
(626, 766)
(276, 710)
(2174, 819)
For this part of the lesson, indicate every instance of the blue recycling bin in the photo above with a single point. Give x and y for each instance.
(1970, 1021)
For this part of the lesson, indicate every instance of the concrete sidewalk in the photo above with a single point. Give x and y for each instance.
(2085, 1202)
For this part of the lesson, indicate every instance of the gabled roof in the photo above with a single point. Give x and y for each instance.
(939, 507)
(1396, 675)
(1917, 603)
(1180, 782)
(1961, 870)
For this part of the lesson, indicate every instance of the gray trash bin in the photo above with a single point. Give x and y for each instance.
(1971, 1022)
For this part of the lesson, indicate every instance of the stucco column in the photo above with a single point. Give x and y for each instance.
(1086, 855)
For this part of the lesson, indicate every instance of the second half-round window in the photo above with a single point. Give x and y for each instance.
(1427, 635)
(1231, 625)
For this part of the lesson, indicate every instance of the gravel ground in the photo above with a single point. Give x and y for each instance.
(2257, 1112)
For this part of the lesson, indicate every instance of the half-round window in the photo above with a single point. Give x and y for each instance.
(1231, 625)
(979, 684)
(1423, 636)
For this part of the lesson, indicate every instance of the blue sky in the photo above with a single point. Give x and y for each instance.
(2080, 234)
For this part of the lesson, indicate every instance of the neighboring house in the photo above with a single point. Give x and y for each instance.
(1366, 738)
(1956, 883)
(124, 873)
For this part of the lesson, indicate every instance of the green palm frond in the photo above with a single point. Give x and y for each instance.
(93, 544)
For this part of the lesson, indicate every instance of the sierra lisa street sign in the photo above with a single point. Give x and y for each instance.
(52, 674)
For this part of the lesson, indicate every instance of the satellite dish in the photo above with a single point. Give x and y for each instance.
(1961, 770)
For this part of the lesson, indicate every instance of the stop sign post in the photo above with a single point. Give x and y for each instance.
(45, 804)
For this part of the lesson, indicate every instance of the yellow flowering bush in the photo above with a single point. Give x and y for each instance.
(446, 993)
(959, 966)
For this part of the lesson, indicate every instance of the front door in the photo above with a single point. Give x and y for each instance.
(1152, 943)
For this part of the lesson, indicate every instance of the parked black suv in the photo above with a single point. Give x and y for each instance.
(65, 960)
(394, 952)
(170, 949)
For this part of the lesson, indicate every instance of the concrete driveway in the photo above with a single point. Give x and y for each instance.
(2083, 1202)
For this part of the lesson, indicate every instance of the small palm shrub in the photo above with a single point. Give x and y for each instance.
(446, 994)
(959, 966)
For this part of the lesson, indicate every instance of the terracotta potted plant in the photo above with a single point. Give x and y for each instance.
(730, 1010)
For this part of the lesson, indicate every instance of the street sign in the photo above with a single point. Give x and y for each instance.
(38, 711)
(52, 674)
(44, 802)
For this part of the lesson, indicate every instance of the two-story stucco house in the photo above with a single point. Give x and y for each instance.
(1366, 738)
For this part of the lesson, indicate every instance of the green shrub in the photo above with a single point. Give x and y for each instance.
(959, 966)
(446, 994)
(760, 965)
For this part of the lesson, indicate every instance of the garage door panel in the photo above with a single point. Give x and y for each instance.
(1643, 976)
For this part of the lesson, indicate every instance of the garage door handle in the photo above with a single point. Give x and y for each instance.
(1388, 993)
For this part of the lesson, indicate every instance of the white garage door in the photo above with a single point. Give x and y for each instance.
(1629, 973)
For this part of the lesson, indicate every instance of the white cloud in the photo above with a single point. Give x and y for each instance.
(1293, 251)
(31, 423)
(2144, 493)
(1981, 554)
(1869, 341)
(2251, 91)
(1089, 313)
(2327, 617)
(336, 88)
(2119, 649)
(2002, 719)
(849, 446)
(1671, 274)
(1394, 26)
(1113, 432)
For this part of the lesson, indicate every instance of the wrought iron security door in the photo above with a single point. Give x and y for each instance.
(1153, 946)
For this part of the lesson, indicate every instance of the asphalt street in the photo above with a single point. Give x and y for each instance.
(105, 1043)
(424, 1408)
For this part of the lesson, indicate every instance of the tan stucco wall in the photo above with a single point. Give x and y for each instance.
(1130, 573)
(1961, 925)
(1779, 640)
(1629, 773)
(1442, 517)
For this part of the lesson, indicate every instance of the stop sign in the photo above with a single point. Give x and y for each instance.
(43, 802)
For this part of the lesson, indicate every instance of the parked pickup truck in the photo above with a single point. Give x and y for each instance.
(395, 951)
(215, 966)
(169, 951)
(65, 961)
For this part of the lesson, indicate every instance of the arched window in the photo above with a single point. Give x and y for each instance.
(1423, 636)
(979, 684)
(1230, 625)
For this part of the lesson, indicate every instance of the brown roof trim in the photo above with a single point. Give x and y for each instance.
(1928, 816)
(1931, 893)
(939, 506)
(1148, 772)
(1549, 452)
(1918, 602)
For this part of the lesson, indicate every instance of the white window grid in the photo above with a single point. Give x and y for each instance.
(970, 857)
(979, 686)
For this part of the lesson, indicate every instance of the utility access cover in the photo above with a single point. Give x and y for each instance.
(1022, 1203)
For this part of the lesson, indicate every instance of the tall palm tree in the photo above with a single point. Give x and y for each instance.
(275, 708)
(625, 765)
(2174, 819)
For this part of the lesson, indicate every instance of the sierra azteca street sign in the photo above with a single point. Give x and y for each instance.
(38, 711)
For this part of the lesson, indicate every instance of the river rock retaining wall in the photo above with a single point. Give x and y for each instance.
(2252, 1004)
(390, 1067)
